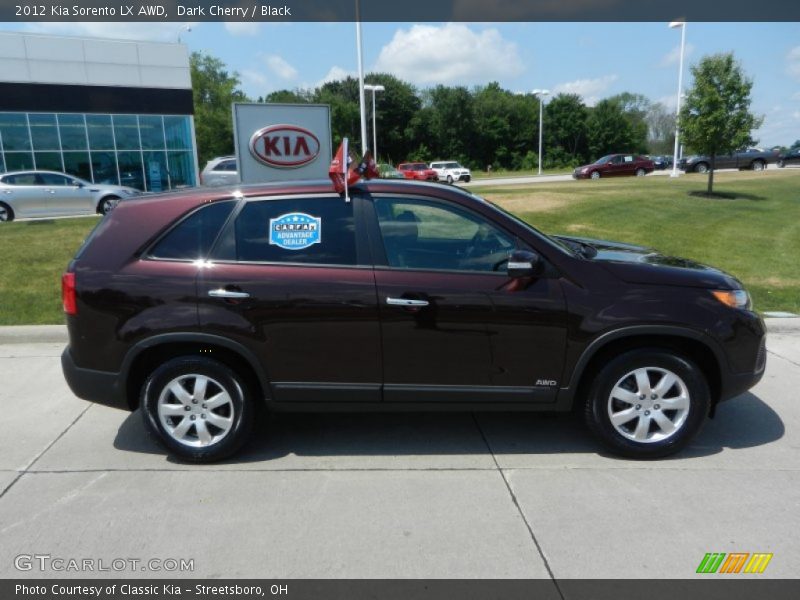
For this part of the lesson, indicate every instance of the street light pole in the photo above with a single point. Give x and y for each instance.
(540, 95)
(373, 89)
(682, 25)
(361, 80)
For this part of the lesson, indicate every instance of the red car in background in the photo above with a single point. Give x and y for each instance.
(615, 165)
(418, 170)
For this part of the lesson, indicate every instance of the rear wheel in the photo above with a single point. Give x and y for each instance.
(781, 164)
(640, 172)
(758, 165)
(701, 168)
(197, 408)
(647, 403)
(6, 213)
(450, 179)
(595, 175)
(107, 204)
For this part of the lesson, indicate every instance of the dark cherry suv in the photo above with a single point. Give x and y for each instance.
(202, 306)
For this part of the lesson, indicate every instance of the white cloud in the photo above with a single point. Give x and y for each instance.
(334, 74)
(243, 28)
(793, 62)
(278, 66)
(159, 32)
(673, 57)
(449, 54)
(588, 89)
(254, 79)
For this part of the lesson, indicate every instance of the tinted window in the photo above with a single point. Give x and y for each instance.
(419, 234)
(21, 179)
(301, 230)
(192, 238)
(53, 179)
(227, 165)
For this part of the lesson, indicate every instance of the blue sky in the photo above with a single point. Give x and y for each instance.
(595, 60)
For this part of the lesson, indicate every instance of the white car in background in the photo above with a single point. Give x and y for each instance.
(450, 171)
(221, 170)
(53, 194)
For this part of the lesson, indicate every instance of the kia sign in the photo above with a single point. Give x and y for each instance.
(284, 146)
(280, 142)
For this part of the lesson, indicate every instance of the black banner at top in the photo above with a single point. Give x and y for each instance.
(405, 10)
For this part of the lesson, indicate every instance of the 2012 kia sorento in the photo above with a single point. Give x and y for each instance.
(199, 307)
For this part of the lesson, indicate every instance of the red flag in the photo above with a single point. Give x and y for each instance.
(338, 167)
(367, 167)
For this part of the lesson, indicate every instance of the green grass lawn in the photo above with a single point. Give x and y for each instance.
(755, 235)
(503, 173)
(33, 255)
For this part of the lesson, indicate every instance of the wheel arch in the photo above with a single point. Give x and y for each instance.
(11, 214)
(104, 197)
(145, 356)
(694, 345)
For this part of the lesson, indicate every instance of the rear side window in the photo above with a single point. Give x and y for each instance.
(192, 238)
(226, 165)
(301, 230)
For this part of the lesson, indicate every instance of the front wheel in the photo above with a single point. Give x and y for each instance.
(701, 168)
(595, 175)
(450, 179)
(640, 172)
(758, 165)
(781, 164)
(647, 403)
(197, 408)
(107, 204)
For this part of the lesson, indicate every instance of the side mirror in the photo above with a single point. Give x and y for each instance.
(524, 263)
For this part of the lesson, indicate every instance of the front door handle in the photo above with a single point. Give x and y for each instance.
(406, 302)
(223, 293)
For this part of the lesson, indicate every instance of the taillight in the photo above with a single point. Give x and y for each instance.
(68, 296)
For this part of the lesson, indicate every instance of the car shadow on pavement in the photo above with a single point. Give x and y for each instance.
(744, 422)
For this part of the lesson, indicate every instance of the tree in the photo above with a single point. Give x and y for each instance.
(716, 118)
(635, 107)
(609, 129)
(397, 105)
(661, 129)
(213, 92)
(565, 129)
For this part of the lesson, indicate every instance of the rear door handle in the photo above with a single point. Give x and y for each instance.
(223, 293)
(406, 302)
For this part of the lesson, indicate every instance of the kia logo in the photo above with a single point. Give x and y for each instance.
(284, 146)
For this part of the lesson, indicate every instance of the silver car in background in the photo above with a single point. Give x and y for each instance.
(51, 194)
(221, 170)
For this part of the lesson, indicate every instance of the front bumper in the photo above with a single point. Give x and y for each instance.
(96, 386)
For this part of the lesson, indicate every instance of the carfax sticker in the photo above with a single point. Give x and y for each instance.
(295, 231)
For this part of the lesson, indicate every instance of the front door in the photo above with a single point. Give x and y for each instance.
(291, 281)
(64, 196)
(455, 327)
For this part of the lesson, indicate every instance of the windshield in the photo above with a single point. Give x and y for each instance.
(563, 246)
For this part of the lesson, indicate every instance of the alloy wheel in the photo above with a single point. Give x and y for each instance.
(195, 410)
(648, 405)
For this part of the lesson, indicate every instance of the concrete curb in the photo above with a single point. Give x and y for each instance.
(57, 334)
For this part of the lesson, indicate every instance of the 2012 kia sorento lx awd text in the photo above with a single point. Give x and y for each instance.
(200, 307)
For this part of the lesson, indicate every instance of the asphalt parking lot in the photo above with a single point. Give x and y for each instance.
(408, 496)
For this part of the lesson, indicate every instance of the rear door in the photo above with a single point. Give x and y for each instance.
(25, 194)
(454, 327)
(292, 281)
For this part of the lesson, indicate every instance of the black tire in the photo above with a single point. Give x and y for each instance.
(467, 178)
(781, 164)
(701, 168)
(594, 175)
(6, 213)
(450, 179)
(641, 172)
(599, 402)
(239, 411)
(107, 204)
(758, 165)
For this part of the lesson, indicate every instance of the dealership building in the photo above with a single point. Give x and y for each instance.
(110, 111)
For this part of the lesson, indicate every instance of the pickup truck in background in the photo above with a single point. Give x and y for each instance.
(755, 159)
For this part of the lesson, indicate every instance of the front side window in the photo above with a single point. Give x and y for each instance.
(53, 179)
(191, 238)
(425, 235)
(318, 231)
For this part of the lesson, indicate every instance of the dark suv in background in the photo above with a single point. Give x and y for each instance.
(200, 307)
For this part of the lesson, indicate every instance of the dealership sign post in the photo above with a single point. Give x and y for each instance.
(281, 142)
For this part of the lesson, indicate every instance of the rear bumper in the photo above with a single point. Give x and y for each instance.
(96, 386)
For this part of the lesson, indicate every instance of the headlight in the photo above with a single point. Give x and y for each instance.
(584, 169)
(733, 298)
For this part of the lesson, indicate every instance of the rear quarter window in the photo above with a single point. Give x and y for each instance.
(192, 237)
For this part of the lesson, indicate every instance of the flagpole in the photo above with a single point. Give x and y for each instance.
(361, 79)
(345, 160)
